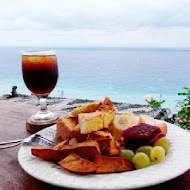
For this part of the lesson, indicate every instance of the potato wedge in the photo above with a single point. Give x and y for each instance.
(48, 154)
(112, 149)
(87, 149)
(73, 142)
(99, 135)
(60, 145)
(76, 134)
(107, 164)
(76, 164)
(102, 137)
(70, 158)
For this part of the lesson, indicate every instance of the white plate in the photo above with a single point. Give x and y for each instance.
(175, 163)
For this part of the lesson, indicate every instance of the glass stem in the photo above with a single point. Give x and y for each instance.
(43, 105)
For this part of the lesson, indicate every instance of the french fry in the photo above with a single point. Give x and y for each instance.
(107, 164)
(76, 164)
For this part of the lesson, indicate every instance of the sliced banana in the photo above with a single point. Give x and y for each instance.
(133, 117)
(120, 123)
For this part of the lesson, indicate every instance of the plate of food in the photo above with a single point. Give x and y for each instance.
(98, 149)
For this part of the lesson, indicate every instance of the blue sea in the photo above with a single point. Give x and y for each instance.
(123, 74)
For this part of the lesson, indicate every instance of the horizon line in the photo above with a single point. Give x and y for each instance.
(101, 47)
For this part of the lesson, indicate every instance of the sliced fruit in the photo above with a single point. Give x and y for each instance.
(146, 119)
(163, 132)
(132, 116)
(163, 127)
(120, 123)
(164, 143)
(158, 136)
(141, 160)
(157, 154)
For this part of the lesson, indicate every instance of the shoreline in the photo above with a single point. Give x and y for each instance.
(68, 104)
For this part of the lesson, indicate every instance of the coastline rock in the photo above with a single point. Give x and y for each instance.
(68, 104)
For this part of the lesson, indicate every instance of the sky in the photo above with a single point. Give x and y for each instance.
(95, 23)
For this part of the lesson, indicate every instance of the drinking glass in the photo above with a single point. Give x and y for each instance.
(40, 74)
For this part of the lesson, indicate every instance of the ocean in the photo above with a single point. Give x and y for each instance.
(123, 74)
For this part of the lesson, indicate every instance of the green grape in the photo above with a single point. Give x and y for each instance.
(146, 149)
(157, 154)
(164, 143)
(127, 154)
(141, 160)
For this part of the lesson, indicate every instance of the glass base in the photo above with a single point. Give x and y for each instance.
(45, 117)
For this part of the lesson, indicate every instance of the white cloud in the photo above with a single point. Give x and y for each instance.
(95, 22)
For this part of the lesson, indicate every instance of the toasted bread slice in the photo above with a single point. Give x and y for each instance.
(106, 105)
(107, 164)
(76, 164)
(88, 108)
(65, 126)
(95, 121)
(99, 119)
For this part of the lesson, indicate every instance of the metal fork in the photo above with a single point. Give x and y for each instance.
(34, 140)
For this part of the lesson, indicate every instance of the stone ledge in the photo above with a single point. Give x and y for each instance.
(68, 104)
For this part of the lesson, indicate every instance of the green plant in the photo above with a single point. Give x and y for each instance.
(155, 103)
(151, 100)
(183, 115)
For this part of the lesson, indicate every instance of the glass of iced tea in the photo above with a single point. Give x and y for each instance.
(40, 74)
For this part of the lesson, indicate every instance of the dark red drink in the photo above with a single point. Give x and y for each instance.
(40, 73)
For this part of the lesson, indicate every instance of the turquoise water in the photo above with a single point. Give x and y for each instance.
(123, 74)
